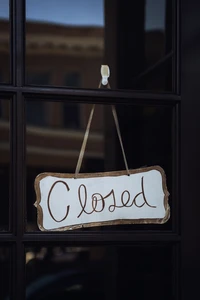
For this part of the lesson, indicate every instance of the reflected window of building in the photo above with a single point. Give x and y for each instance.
(71, 116)
(71, 111)
(73, 79)
(35, 111)
(4, 42)
(38, 78)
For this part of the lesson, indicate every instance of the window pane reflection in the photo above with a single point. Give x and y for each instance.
(69, 41)
(4, 42)
(4, 163)
(145, 45)
(54, 136)
(4, 273)
(64, 42)
(99, 272)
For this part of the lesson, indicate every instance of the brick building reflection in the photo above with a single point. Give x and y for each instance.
(57, 56)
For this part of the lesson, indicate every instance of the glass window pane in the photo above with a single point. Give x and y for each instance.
(62, 272)
(70, 45)
(145, 273)
(65, 273)
(4, 273)
(158, 45)
(4, 163)
(55, 138)
(65, 40)
(145, 47)
(4, 42)
(70, 41)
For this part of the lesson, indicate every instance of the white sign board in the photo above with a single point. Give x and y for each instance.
(97, 199)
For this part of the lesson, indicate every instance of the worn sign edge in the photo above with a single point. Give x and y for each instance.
(41, 176)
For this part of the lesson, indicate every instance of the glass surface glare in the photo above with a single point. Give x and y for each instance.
(54, 135)
(99, 272)
(4, 163)
(4, 42)
(64, 42)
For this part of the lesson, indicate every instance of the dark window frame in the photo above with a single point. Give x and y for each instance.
(17, 238)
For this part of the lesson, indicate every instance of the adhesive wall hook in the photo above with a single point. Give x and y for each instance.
(105, 73)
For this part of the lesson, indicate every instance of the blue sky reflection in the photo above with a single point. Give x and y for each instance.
(82, 12)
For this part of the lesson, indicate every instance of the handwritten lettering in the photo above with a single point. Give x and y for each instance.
(48, 201)
(98, 201)
(97, 197)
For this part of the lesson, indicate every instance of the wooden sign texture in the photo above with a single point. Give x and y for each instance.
(98, 199)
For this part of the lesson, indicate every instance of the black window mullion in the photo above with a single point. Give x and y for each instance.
(12, 43)
(177, 42)
(176, 48)
(18, 46)
(18, 43)
(13, 158)
(175, 211)
(18, 157)
(102, 96)
(98, 237)
(176, 270)
(20, 197)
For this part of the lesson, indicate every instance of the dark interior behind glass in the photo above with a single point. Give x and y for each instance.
(5, 264)
(104, 272)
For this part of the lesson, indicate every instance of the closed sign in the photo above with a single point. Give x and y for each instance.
(97, 199)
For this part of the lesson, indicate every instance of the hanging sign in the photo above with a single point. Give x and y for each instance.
(97, 199)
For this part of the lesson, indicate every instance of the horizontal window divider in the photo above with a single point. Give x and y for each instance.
(103, 96)
(7, 94)
(101, 237)
(7, 237)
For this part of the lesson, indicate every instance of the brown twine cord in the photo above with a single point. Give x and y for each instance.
(82, 151)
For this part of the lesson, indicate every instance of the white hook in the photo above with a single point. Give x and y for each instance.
(105, 73)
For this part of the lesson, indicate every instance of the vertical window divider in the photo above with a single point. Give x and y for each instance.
(20, 195)
(13, 160)
(177, 38)
(175, 168)
(18, 13)
(17, 10)
(12, 41)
